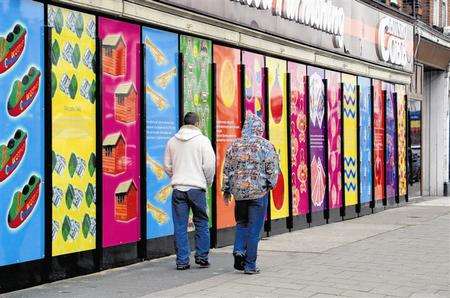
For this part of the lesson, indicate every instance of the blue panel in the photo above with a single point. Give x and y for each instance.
(22, 117)
(365, 140)
(161, 78)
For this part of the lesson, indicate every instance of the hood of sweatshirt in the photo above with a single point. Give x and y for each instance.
(253, 127)
(188, 132)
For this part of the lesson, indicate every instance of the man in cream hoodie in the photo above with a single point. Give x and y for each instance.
(190, 163)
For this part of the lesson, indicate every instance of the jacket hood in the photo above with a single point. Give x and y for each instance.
(253, 127)
(188, 132)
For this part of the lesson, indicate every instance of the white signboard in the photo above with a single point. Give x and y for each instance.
(392, 47)
(318, 14)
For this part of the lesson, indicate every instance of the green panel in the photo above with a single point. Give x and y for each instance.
(197, 86)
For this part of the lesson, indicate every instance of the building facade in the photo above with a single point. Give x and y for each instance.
(428, 94)
(353, 94)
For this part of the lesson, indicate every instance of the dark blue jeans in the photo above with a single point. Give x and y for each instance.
(250, 215)
(182, 201)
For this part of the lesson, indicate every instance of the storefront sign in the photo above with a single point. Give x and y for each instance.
(334, 123)
(318, 14)
(345, 27)
(279, 196)
(197, 89)
(365, 140)
(121, 81)
(73, 93)
(228, 121)
(401, 139)
(392, 41)
(378, 134)
(162, 109)
(299, 139)
(391, 142)
(317, 138)
(254, 84)
(22, 181)
(350, 110)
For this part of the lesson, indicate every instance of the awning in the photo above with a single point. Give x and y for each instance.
(432, 49)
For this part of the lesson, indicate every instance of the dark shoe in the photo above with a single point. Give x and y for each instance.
(239, 262)
(202, 263)
(256, 271)
(183, 267)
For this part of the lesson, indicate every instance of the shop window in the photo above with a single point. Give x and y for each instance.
(436, 12)
(414, 149)
(394, 3)
(444, 13)
(414, 7)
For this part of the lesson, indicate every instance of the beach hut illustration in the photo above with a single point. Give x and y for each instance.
(125, 102)
(114, 155)
(114, 55)
(126, 201)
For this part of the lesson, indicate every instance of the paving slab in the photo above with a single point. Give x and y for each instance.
(401, 252)
(322, 238)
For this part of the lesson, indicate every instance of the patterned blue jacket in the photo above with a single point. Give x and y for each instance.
(251, 163)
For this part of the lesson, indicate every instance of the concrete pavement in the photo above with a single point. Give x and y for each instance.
(401, 252)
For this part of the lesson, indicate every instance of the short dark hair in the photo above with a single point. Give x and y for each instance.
(190, 118)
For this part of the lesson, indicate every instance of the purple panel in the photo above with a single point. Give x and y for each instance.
(391, 140)
(317, 124)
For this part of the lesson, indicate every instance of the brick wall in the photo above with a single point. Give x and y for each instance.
(448, 13)
(427, 14)
(425, 10)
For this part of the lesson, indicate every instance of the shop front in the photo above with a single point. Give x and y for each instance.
(328, 78)
(428, 113)
(323, 60)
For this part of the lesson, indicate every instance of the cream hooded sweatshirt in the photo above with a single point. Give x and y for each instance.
(189, 159)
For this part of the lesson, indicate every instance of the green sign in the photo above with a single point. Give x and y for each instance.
(197, 87)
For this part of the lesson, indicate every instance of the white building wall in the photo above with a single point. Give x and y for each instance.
(435, 133)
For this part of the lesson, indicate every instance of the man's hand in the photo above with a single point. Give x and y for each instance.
(226, 198)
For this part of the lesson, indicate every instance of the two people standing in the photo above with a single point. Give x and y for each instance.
(250, 171)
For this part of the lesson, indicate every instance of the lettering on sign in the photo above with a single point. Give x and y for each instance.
(318, 14)
(392, 41)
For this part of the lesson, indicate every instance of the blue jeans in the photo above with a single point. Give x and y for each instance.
(182, 201)
(250, 215)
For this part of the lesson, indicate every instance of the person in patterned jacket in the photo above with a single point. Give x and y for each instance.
(250, 171)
